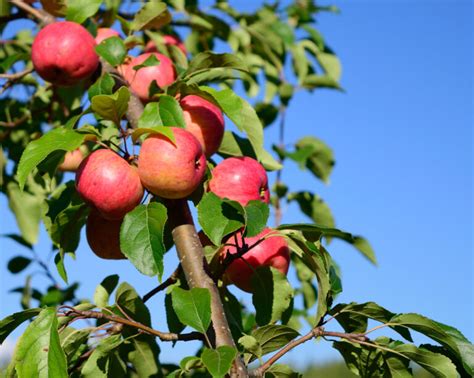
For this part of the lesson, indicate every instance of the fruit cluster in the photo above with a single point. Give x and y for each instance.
(63, 53)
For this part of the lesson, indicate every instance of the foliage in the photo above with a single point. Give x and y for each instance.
(273, 53)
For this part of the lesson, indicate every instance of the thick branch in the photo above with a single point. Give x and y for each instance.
(194, 264)
(163, 336)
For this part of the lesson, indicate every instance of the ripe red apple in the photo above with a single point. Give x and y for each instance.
(103, 236)
(167, 40)
(272, 252)
(240, 179)
(104, 33)
(171, 170)
(108, 183)
(72, 160)
(63, 53)
(205, 121)
(163, 74)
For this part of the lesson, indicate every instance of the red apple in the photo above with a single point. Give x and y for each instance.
(240, 179)
(272, 251)
(108, 183)
(72, 160)
(171, 170)
(163, 74)
(167, 40)
(205, 121)
(63, 53)
(103, 236)
(104, 33)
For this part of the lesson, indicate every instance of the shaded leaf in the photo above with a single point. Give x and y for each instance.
(18, 263)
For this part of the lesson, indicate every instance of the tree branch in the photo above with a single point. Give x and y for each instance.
(39, 14)
(194, 265)
(163, 336)
(168, 282)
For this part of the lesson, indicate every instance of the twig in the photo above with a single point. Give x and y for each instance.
(163, 336)
(168, 282)
(15, 122)
(314, 333)
(17, 75)
(42, 16)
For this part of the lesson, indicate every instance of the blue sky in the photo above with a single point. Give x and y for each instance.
(402, 136)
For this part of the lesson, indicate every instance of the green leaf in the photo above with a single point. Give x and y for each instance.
(80, 10)
(27, 209)
(112, 50)
(189, 363)
(193, 307)
(352, 317)
(73, 341)
(104, 289)
(11, 322)
(272, 294)
(144, 356)
(61, 268)
(437, 364)
(174, 325)
(163, 130)
(151, 116)
(37, 150)
(314, 207)
(129, 301)
(112, 107)
(218, 361)
(243, 115)
(150, 61)
(18, 263)
(38, 352)
(316, 81)
(281, 371)
(219, 217)
(105, 360)
(330, 64)
(141, 238)
(170, 112)
(250, 344)
(272, 337)
(256, 217)
(447, 336)
(153, 15)
(205, 62)
(315, 232)
(103, 86)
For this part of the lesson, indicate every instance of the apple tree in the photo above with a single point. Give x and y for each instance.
(160, 108)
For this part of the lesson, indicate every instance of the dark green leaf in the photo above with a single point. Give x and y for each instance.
(80, 10)
(273, 337)
(37, 150)
(38, 351)
(193, 307)
(129, 301)
(245, 118)
(103, 86)
(18, 239)
(171, 112)
(219, 217)
(105, 360)
(315, 232)
(174, 325)
(141, 237)
(153, 15)
(11, 322)
(111, 107)
(272, 294)
(18, 263)
(112, 50)
(205, 62)
(218, 361)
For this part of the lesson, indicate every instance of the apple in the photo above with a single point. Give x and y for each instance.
(171, 170)
(240, 179)
(272, 252)
(104, 33)
(167, 40)
(72, 160)
(205, 121)
(140, 80)
(63, 53)
(103, 236)
(107, 182)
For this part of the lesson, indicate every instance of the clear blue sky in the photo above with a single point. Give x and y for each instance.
(402, 135)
